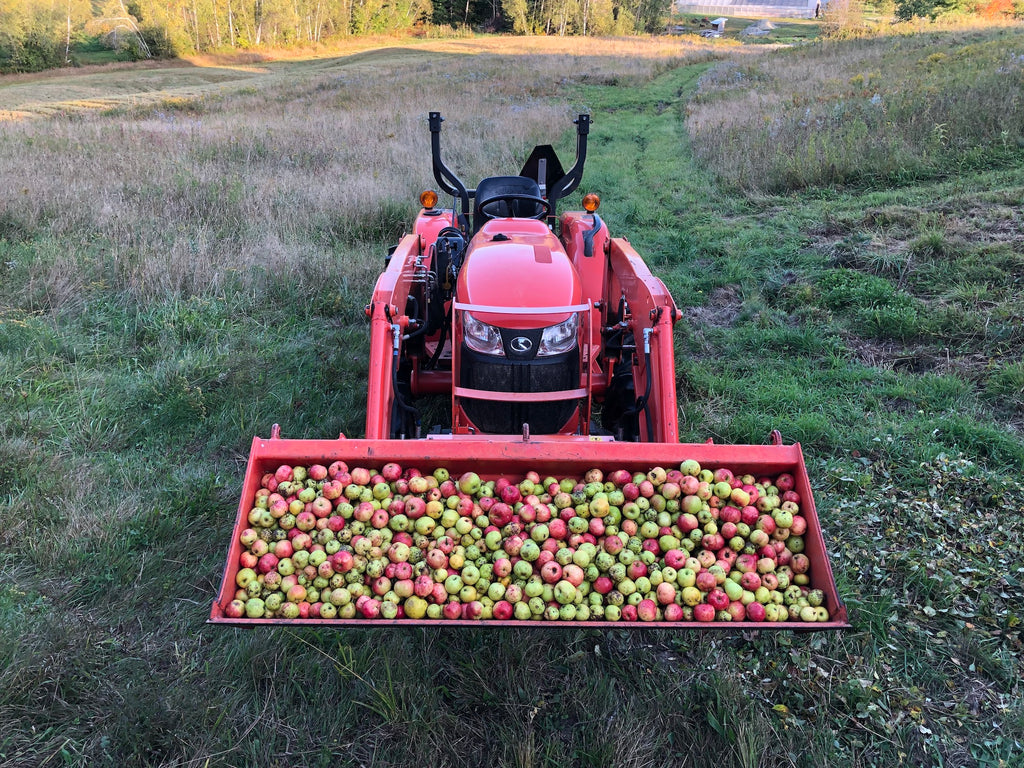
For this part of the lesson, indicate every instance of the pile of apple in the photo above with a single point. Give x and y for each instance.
(688, 544)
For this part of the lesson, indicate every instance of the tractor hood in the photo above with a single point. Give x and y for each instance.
(518, 263)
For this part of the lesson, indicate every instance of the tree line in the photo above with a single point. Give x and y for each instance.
(40, 34)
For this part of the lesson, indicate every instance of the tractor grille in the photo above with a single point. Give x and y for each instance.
(496, 374)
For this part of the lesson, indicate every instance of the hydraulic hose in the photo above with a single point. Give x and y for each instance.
(641, 402)
(647, 395)
(398, 399)
(442, 337)
(421, 322)
(588, 236)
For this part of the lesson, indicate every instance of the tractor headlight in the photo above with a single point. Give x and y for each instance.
(560, 338)
(481, 337)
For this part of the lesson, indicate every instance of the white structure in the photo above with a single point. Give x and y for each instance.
(803, 9)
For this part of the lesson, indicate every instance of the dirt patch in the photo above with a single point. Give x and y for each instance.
(971, 367)
(721, 310)
(899, 357)
(897, 220)
(880, 243)
(988, 224)
(877, 354)
(899, 405)
(894, 355)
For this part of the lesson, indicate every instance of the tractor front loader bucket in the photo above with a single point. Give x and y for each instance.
(555, 456)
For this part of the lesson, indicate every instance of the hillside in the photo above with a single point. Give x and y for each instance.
(187, 254)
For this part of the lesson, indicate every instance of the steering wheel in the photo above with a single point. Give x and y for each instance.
(503, 206)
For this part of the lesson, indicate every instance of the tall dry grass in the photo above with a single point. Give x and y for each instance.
(299, 177)
(890, 107)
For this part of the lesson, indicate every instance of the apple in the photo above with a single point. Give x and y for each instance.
(737, 610)
(247, 560)
(647, 610)
(469, 483)
(718, 599)
(690, 467)
(703, 612)
(245, 577)
(665, 593)
(750, 581)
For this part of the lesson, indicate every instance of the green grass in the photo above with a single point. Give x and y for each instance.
(91, 50)
(879, 325)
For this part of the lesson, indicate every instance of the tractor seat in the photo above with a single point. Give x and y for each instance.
(506, 185)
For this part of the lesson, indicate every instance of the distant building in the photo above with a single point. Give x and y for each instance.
(801, 9)
(713, 28)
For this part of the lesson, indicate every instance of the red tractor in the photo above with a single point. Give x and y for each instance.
(554, 342)
(532, 321)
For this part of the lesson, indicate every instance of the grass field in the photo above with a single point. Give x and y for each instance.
(186, 256)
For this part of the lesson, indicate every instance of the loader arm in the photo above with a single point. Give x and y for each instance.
(388, 323)
(652, 313)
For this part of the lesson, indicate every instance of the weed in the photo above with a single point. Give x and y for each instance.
(932, 245)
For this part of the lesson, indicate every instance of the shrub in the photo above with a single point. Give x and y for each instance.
(164, 43)
(36, 51)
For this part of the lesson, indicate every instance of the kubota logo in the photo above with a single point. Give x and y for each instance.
(520, 344)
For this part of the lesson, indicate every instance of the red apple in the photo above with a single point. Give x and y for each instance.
(647, 610)
(703, 612)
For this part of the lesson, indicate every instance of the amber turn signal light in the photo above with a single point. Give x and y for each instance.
(428, 198)
(591, 202)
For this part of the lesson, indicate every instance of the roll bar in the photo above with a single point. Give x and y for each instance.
(443, 175)
(574, 175)
(447, 179)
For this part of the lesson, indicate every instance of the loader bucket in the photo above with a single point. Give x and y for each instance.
(558, 456)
